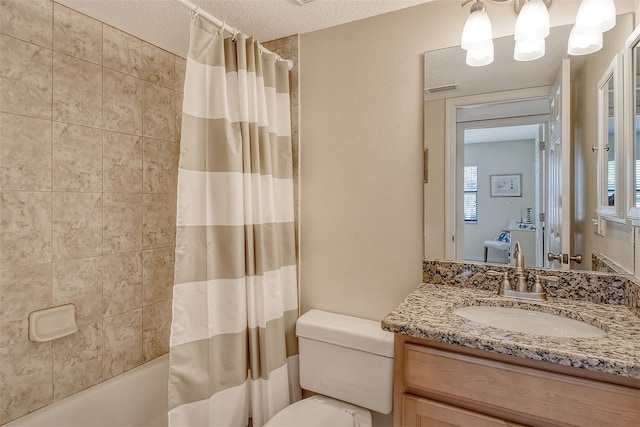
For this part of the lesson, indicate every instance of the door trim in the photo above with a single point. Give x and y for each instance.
(451, 157)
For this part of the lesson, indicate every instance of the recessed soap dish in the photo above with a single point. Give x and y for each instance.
(52, 323)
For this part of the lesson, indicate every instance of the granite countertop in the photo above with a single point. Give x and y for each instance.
(428, 313)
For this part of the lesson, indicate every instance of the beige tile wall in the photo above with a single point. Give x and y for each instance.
(89, 125)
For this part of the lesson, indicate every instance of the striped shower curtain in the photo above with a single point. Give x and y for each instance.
(233, 350)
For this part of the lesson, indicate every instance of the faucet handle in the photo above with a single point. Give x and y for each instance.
(506, 286)
(537, 286)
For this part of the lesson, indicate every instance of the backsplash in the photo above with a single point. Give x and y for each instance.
(600, 288)
(603, 264)
(89, 130)
(632, 295)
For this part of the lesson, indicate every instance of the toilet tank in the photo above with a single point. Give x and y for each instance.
(347, 358)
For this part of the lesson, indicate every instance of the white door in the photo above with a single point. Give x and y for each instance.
(541, 194)
(558, 214)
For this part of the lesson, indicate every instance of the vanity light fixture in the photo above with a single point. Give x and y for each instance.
(532, 27)
(596, 15)
(583, 42)
(529, 51)
(594, 18)
(480, 56)
(477, 36)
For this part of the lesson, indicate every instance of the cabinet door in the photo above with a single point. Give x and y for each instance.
(610, 171)
(422, 412)
(518, 392)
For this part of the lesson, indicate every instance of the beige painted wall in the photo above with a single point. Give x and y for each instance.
(361, 154)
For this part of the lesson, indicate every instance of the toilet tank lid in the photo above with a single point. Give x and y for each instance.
(347, 331)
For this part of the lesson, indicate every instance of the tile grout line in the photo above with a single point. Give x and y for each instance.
(102, 305)
(53, 381)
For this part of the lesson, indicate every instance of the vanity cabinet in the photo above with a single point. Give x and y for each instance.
(441, 384)
(418, 411)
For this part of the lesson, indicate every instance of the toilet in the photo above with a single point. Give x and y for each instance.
(348, 361)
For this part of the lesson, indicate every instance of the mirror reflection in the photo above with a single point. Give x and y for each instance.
(610, 147)
(631, 127)
(610, 142)
(501, 159)
(508, 166)
(636, 57)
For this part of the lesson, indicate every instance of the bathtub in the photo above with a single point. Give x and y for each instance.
(136, 398)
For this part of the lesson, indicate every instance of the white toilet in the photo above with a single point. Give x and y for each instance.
(346, 358)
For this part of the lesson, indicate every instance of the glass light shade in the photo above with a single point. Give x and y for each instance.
(477, 30)
(596, 15)
(480, 57)
(583, 42)
(529, 51)
(533, 22)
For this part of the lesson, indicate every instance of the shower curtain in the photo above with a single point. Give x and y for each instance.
(233, 350)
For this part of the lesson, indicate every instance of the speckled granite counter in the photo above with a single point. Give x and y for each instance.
(428, 313)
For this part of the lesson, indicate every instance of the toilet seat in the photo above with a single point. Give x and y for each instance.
(321, 411)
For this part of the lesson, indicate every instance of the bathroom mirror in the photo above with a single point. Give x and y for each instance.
(610, 176)
(632, 124)
(448, 79)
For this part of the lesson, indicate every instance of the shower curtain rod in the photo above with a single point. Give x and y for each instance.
(226, 27)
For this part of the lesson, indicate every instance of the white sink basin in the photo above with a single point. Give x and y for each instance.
(530, 322)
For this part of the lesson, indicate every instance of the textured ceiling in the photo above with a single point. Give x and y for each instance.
(165, 23)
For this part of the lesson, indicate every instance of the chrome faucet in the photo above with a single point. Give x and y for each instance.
(506, 290)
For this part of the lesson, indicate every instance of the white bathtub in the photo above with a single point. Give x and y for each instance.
(137, 398)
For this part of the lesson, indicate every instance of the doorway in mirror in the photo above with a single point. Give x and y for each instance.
(502, 193)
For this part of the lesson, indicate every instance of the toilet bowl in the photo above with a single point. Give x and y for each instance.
(349, 362)
(318, 411)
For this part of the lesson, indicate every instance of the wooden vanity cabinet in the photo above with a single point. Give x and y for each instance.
(438, 384)
(418, 411)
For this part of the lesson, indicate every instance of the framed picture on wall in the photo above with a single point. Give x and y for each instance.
(506, 185)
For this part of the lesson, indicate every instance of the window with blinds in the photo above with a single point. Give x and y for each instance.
(471, 193)
(611, 181)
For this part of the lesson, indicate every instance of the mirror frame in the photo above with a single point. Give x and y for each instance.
(614, 73)
(633, 211)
